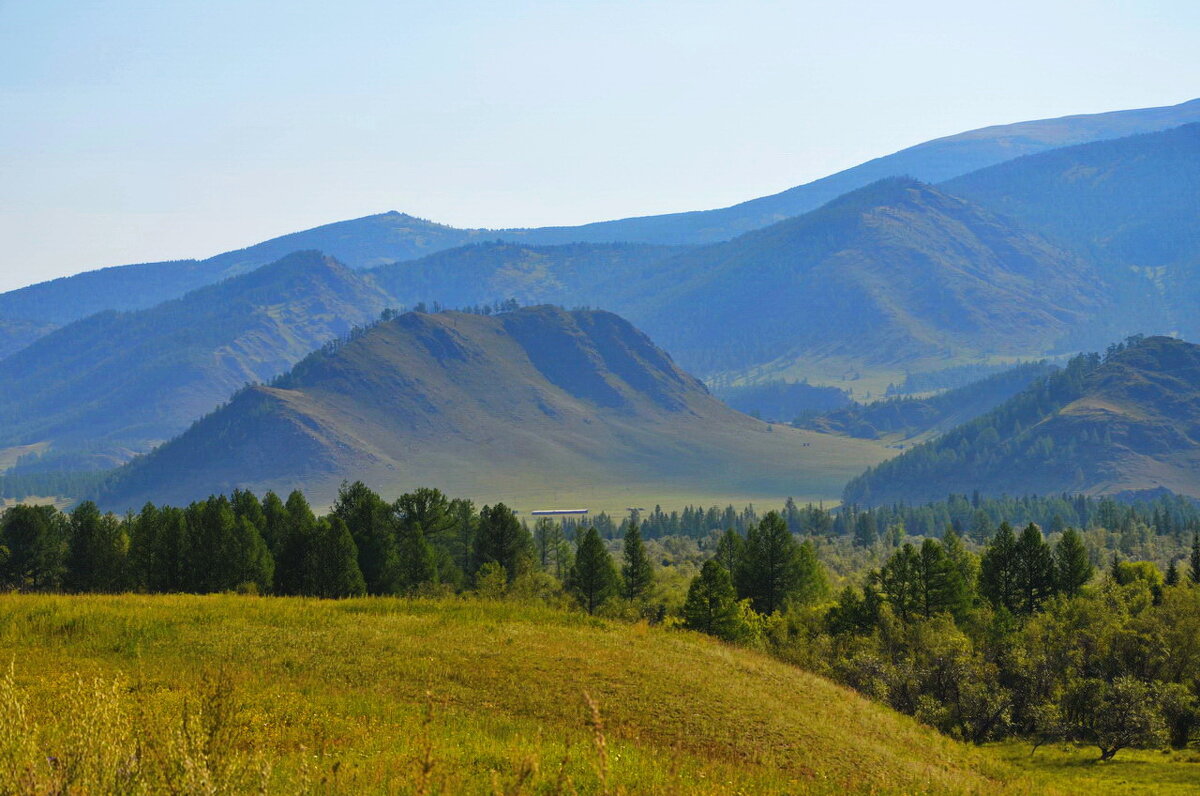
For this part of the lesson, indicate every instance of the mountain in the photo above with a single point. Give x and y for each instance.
(481, 273)
(540, 405)
(1131, 205)
(905, 418)
(389, 237)
(17, 334)
(1127, 422)
(897, 272)
(782, 401)
(122, 381)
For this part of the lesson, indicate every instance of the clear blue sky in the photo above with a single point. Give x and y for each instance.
(136, 131)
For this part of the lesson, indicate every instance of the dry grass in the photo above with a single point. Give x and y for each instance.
(226, 694)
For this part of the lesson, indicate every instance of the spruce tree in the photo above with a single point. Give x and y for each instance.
(593, 578)
(711, 605)
(1172, 577)
(293, 575)
(900, 581)
(1035, 575)
(998, 570)
(369, 519)
(729, 550)
(501, 538)
(966, 569)
(418, 563)
(96, 553)
(253, 561)
(771, 569)
(636, 570)
(36, 538)
(1194, 561)
(1072, 566)
(333, 561)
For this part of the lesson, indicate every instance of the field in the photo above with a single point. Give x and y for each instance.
(234, 694)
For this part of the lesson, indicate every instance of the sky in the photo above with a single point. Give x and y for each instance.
(145, 131)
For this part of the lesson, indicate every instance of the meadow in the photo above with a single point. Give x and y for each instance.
(233, 694)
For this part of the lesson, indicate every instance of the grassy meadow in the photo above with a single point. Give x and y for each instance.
(230, 694)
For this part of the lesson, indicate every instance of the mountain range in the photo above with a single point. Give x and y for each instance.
(521, 405)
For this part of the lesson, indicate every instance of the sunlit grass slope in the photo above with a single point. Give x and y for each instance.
(437, 696)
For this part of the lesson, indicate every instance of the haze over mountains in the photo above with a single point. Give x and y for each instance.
(1126, 423)
(521, 404)
(118, 383)
(388, 237)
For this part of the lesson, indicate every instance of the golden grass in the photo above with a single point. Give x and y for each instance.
(229, 694)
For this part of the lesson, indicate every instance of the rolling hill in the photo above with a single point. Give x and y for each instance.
(1127, 422)
(1132, 206)
(536, 405)
(15, 335)
(893, 274)
(118, 383)
(388, 237)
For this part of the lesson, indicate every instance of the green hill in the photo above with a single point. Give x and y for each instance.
(15, 334)
(117, 383)
(911, 417)
(534, 406)
(1126, 422)
(898, 272)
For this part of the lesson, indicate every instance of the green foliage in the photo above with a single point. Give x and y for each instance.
(712, 606)
(1113, 716)
(35, 539)
(1073, 569)
(637, 574)
(772, 568)
(593, 578)
(95, 559)
(501, 538)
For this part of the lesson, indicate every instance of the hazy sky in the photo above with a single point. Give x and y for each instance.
(140, 131)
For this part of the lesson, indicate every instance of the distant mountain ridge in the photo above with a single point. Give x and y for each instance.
(125, 381)
(536, 399)
(386, 237)
(1125, 423)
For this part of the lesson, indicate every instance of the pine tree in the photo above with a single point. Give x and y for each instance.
(593, 578)
(711, 605)
(275, 523)
(966, 570)
(771, 570)
(1072, 567)
(502, 539)
(418, 563)
(729, 550)
(900, 581)
(36, 538)
(253, 561)
(636, 570)
(333, 561)
(865, 531)
(1172, 577)
(1194, 561)
(96, 553)
(368, 517)
(1035, 576)
(997, 570)
(293, 574)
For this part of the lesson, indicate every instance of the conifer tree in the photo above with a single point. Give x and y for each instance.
(253, 563)
(729, 550)
(275, 523)
(1072, 566)
(966, 569)
(418, 563)
(368, 517)
(636, 570)
(1035, 575)
(334, 561)
(1194, 560)
(36, 538)
(771, 569)
(998, 570)
(501, 538)
(96, 553)
(1172, 577)
(711, 605)
(292, 572)
(593, 578)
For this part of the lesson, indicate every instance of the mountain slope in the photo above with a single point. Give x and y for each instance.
(389, 237)
(529, 405)
(16, 334)
(911, 417)
(570, 274)
(1127, 422)
(896, 272)
(128, 380)
(1131, 205)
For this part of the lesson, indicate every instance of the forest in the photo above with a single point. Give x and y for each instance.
(985, 628)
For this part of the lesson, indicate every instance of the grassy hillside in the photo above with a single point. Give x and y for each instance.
(1131, 205)
(377, 695)
(1127, 422)
(898, 272)
(124, 381)
(531, 406)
